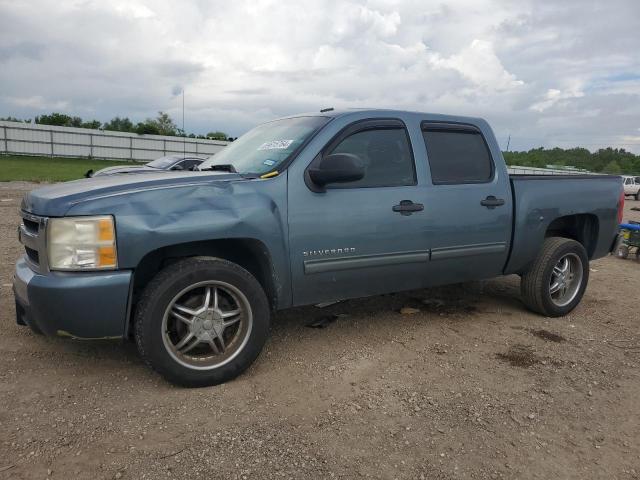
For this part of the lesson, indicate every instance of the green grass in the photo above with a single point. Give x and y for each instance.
(47, 169)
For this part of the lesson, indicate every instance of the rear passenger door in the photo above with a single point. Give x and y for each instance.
(468, 204)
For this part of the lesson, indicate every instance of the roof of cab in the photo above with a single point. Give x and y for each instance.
(334, 113)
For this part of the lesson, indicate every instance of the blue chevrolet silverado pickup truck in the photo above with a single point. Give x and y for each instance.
(301, 210)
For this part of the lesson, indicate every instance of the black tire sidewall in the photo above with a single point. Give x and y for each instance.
(551, 308)
(181, 277)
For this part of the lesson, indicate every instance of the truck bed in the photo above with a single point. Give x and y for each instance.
(588, 201)
(527, 176)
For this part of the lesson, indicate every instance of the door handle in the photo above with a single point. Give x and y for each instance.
(492, 202)
(407, 207)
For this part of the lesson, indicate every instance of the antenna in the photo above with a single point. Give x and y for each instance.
(508, 140)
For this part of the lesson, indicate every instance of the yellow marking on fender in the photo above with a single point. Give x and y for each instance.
(270, 174)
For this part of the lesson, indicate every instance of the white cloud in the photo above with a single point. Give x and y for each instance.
(554, 96)
(479, 63)
(132, 9)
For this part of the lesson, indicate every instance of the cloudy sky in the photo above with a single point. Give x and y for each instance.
(548, 73)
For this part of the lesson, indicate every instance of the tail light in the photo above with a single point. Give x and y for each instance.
(620, 207)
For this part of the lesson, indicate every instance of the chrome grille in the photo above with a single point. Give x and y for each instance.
(32, 234)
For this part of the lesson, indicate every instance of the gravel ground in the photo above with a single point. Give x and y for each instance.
(470, 386)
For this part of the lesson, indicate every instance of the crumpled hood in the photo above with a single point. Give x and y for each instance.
(55, 200)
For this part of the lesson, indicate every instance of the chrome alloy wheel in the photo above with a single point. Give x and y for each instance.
(566, 279)
(206, 325)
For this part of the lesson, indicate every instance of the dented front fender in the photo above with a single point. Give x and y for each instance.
(150, 219)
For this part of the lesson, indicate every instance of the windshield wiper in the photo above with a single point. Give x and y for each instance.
(223, 167)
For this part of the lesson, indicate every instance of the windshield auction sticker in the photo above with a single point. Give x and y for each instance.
(275, 145)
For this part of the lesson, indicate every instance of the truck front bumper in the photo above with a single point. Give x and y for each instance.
(79, 304)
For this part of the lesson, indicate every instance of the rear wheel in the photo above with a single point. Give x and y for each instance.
(557, 279)
(202, 321)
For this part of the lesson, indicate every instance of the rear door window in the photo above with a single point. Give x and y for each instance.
(457, 154)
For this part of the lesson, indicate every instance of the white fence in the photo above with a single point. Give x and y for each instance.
(31, 139)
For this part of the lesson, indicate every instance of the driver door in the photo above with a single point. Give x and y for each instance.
(357, 239)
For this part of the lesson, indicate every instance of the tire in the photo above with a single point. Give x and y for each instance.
(537, 283)
(622, 252)
(36, 330)
(216, 352)
(638, 254)
(638, 196)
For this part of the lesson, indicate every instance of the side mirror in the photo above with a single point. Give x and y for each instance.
(336, 168)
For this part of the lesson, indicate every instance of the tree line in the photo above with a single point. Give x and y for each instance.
(605, 160)
(163, 124)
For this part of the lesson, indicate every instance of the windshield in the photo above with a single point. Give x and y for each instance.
(163, 162)
(264, 148)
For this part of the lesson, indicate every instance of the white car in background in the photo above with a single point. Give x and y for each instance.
(631, 186)
(170, 162)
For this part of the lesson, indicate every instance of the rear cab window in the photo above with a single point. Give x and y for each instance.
(457, 154)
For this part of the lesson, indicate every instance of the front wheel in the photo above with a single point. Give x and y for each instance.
(557, 279)
(202, 321)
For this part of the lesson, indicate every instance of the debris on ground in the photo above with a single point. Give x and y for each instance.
(441, 348)
(322, 322)
(548, 336)
(446, 307)
(433, 302)
(409, 310)
(520, 356)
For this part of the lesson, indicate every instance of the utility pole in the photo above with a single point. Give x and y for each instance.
(184, 133)
(508, 141)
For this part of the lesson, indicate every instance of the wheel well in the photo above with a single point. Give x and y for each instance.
(582, 228)
(250, 254)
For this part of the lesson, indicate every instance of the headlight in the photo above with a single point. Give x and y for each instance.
(81, 243)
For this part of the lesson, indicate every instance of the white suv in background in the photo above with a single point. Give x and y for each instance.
(631, 186)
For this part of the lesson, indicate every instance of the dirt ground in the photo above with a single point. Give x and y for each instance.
(471, 386)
